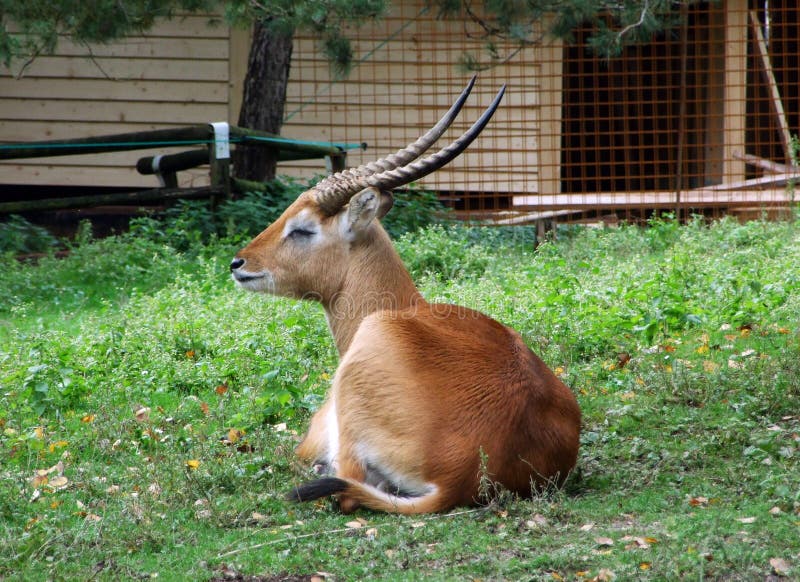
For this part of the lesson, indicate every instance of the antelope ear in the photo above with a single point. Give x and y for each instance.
(387, 201)
(365, 207)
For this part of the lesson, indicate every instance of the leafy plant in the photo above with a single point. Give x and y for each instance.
(17, 235)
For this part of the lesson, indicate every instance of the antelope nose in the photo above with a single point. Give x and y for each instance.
(236, 263)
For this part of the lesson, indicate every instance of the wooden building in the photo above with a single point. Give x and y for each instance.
(702, 116)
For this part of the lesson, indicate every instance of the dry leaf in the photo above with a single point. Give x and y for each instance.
(234, 435)
(193, 464)
(587, 526)
(356, 523)
(88, 418)
(775, 511)
(142, 414)
(371, 533)
(780, 566)
(92, 517)
(604, 541)
(644, 566)
(417, 524)
(221, 389)
(537, 521)
(58, 482)
(39, 480)
(113, 490)
(604, 575)
(746, 519)
(698, 501)
(204, 408)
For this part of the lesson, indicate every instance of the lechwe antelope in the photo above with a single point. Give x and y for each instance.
(427, 397)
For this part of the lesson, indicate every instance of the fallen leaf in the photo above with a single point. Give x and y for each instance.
(142, 414)
(356, 523)
(113, 490)
(39, 480)
(587, 526)
(58, 482)
(604, 541)
(234, 435)
(746, 519)
(644, 566)
(698, 501)
(193, 464)
(710, 366)
(92, 517)
(221, 389)
(604, 575)
(780, 566)
(371, 533)
(417, 524)
(537, 521)
(204, 408)
(775, 511)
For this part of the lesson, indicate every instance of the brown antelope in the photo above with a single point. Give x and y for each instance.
(427, 397)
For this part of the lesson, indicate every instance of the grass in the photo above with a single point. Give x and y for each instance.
(148, 412)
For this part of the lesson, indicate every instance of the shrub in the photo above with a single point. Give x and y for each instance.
(17, 235)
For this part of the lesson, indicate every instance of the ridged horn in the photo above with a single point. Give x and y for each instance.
(335, 191)
(421, 168)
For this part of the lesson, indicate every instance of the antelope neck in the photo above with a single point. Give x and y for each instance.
(376, 280)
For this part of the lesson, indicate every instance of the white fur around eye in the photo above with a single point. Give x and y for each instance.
(302, 222)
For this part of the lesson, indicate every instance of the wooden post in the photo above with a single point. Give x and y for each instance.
(220, 159)
(775, 102)
(735, 99)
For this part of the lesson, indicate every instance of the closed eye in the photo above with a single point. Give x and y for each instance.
(301, 233)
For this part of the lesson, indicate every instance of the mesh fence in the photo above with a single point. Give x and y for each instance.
(699, 119)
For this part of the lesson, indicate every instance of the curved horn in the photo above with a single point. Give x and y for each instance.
(421, 168)
(335, 191)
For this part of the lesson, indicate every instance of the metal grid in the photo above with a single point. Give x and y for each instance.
(699, 119)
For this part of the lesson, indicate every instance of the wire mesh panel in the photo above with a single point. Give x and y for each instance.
(699, 118)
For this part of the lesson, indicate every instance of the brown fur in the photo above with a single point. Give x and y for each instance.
(422, 390)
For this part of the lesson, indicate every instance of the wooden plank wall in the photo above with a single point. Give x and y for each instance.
(408, 75)
(177, 74)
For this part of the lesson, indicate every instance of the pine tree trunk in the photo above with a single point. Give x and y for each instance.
(263, 100)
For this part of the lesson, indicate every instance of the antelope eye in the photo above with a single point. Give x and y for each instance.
(301, 233)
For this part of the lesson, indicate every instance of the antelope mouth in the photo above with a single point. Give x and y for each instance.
(254, 281)
(245, 277)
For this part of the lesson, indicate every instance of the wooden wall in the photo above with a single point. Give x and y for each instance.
(409, 72)
(179, 73)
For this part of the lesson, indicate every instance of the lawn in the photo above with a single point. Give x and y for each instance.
(148, 411)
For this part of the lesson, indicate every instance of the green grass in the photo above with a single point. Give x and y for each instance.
(167, 404)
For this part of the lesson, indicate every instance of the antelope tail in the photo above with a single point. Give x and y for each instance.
(370, 497)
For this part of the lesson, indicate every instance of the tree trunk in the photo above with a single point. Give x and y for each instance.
(263, 100)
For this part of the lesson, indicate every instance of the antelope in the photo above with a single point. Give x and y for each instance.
(428, 399)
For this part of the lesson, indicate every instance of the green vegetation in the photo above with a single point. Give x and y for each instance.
(148, 410)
